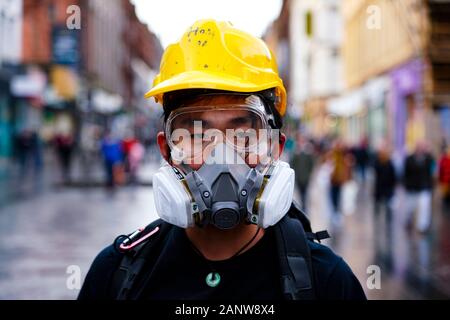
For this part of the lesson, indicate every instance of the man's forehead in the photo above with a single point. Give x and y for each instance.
(216, 117)
(215, 100)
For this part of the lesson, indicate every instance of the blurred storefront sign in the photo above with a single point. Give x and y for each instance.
(5, 123)
(407, 105)
(347, 105)
(65, 82)
(316, 119)
(351, 109)
(376, 95)
(104, 102)
(31, 84)
(5, 115)
(66, 46)
(444, 116)
(375, 91)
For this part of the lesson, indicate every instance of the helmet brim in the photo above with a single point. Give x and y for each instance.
(212, 80)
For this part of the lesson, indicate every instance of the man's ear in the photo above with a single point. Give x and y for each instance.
(282, 144)
(163, 146)
(279, 147)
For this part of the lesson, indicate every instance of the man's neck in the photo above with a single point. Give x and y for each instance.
(216, 244)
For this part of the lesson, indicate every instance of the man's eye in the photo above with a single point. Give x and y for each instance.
(241, 140)
(245, 136)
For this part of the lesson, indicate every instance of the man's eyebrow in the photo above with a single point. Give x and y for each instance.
(190, 121)
(240, 119)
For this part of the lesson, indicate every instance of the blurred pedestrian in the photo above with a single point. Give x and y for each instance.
(89, 148)
(128, 143)
(362, 157)
(289, 147)
(418, 182)
(444, 176)
(385, 181)
(23, 146)
(303, 165)
(28, 151)
(135, 157)
(37, 150)
(64, 144)
(342, 162)
(113, 159)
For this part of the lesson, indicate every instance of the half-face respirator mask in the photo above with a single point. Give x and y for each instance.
(223, 171)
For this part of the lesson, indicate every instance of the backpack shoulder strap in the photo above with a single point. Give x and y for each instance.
(318, 236)
(292, 235)
(295, 260)
(297, 213)
(136, 248)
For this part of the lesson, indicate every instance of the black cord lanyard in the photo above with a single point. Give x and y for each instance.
(213, 278)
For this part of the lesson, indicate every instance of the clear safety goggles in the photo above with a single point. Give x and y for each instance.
(192, 132)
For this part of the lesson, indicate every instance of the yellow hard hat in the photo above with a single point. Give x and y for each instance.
(215, 55)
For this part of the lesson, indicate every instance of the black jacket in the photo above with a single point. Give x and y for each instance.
(385, 179)
(418, 172)
(331, 276)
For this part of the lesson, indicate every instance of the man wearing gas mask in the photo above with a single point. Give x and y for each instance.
(229, 228)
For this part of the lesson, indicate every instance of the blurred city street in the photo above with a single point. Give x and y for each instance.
(48, 230)
(366, 119)
(413, 265)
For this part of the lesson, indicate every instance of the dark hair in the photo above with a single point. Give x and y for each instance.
(175, 99)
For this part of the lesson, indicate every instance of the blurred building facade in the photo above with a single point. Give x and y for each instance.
(395, 56)
(370, 69)
(10, 30)
(314, 31)
(78, 62)
(317, 31)
(10, 53)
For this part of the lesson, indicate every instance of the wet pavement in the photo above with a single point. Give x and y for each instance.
(46, 226)
(52, 228)
(44, 235)
(412, 265)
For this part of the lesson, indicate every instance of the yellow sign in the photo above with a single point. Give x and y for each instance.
(65, 82)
